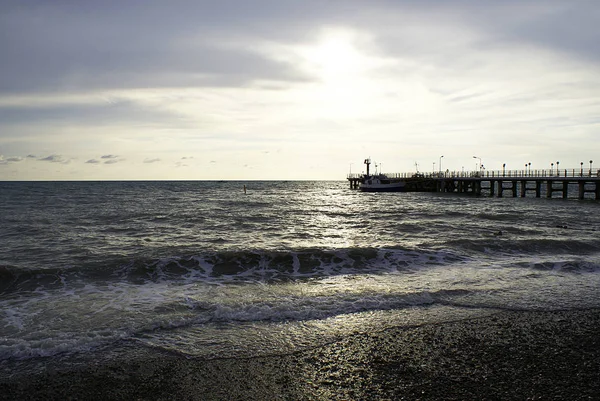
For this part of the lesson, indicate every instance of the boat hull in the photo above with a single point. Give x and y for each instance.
(378, 185)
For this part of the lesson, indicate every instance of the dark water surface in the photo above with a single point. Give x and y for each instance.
(204, 270)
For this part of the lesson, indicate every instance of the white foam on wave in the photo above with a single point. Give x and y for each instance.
(224, 268)
(47, 323)
(51, 323)
(13, 319)
(79, 316)
(308, 308)
(261, 338)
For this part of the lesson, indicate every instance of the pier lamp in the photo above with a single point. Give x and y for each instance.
(476, 157)
(581, 173)
(551, 168)
(503, 168)
(557, 172)
(530, 168)
(441, 163)
(525, 169)
(591, 167)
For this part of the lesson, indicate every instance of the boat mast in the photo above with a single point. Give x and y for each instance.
(368, 163)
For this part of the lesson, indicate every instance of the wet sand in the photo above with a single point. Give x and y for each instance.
(507, 356)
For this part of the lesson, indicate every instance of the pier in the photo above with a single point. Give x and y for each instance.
(564, 183)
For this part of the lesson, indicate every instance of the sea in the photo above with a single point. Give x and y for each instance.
(233, 269)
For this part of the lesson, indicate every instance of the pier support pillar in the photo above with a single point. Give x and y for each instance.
(492, 183)
(500, 188)
(538, 189)
(548, 189)
(523, 188)
(565, 189)
(582, 190)
(514, 189)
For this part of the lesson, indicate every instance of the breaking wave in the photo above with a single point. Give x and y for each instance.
(230, 266)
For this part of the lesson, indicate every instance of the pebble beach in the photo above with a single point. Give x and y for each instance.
(508, 355)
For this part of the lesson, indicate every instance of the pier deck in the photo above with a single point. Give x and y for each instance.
(567, 183)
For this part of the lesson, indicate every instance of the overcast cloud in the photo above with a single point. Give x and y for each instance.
(294, 90)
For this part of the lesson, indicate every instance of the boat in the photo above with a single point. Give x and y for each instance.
(380, 182)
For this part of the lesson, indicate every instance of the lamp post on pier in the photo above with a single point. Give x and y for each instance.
(530, 169)
(551, 168)
(440, 165)
(591, 167)
(476, 157)
(503, 169)
(581, 172)
(557, 172)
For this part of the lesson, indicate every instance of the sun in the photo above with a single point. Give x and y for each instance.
(335, 56)
(344, 66)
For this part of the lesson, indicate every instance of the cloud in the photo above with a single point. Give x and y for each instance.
(108, 159)
(55, 159)
(66, 111)
(71, 49)
(210, 44)
(566, 27)
(231, 81)
(13, 159)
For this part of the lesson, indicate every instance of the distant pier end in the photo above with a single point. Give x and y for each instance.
(563, 183)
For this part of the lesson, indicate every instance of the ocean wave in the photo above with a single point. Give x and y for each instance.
(87, 333)
(497, 242)
(567, 265)
(294, 308)
(229, 266)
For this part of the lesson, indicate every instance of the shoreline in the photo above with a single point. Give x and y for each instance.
(508, 355)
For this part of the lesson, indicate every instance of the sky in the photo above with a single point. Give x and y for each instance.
(282, 89)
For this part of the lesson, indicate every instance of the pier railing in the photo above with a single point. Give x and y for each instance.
(514, 174)
(545, 182)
